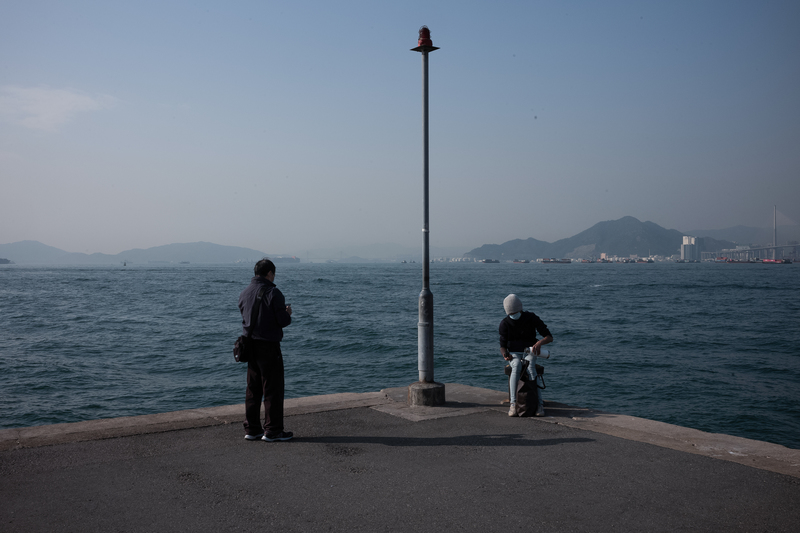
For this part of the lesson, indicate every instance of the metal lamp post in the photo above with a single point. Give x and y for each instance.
(425, 391)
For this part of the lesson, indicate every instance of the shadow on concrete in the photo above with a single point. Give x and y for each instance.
(551, 409)
(562, 410)
(463, 405)
(511, 439)
(464, 397)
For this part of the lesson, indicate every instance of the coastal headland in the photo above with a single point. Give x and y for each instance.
(368, 462)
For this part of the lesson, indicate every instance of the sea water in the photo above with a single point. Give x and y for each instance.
(709, 346)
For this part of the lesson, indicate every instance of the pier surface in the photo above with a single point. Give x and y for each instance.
(368, 462)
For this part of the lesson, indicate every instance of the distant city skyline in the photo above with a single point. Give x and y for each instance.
(295, 127)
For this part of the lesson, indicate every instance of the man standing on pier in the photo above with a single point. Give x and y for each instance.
(517, 332)
(265, 368)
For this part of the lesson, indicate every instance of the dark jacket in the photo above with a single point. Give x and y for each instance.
(516, 335)
(273, 317)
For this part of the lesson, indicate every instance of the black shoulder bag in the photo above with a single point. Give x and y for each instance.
(243, 347)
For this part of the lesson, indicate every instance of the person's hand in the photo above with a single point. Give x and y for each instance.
(536, 349)
(506, 354)
(289, 309)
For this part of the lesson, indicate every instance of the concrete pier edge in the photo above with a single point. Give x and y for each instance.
(461, 400)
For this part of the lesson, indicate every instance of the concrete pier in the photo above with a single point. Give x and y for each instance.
(356, 462)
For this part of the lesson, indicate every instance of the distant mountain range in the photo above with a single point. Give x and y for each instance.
(34, 252)
(624, 237)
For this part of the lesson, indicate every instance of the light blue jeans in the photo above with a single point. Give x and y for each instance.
(516, 367)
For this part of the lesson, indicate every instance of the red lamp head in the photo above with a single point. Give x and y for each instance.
(424, 37)
(424, 42)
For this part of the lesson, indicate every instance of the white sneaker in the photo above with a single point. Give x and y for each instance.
(512, 411)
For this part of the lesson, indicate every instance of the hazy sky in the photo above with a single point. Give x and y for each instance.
(289, 126)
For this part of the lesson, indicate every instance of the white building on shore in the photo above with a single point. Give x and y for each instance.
(690, 250)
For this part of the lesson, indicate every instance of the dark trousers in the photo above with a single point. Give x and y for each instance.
(264, 380)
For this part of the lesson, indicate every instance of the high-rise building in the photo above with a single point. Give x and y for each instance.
(690, 250)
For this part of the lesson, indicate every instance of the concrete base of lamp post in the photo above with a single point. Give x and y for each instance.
(425, 393)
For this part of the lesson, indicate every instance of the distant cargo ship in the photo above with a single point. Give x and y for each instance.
(558, 261)
(490, 261)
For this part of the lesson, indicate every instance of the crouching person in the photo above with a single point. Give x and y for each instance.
(518, 331)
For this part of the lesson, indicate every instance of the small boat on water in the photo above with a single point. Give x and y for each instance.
(490, 261)
(521, 261)
(549, 260)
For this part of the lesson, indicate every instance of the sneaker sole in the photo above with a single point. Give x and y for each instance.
(253, 437)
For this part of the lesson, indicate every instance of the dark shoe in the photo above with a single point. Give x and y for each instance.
(283, 435)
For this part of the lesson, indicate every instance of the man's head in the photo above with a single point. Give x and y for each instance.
(264, 267)
(512, 304)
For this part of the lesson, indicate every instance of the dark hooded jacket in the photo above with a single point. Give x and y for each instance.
(273, 317)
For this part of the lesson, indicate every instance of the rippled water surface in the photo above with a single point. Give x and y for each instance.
(710, 346)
